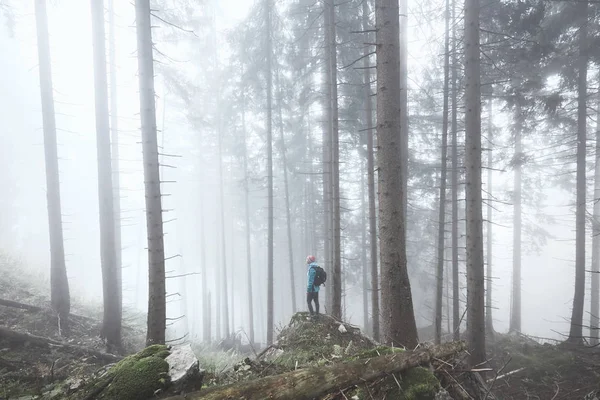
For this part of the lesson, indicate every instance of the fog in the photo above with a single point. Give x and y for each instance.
(191, 181)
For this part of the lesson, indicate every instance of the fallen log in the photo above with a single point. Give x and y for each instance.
(21, 306)
(20, 337)
(314, 382)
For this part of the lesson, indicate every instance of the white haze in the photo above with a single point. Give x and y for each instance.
(547, 277)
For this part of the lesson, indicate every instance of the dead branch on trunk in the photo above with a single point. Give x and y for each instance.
(40, 341)
(314, 382)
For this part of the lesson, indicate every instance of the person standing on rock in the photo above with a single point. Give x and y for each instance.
(316, 277)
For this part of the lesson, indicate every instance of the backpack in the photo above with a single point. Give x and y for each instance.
(320, 276)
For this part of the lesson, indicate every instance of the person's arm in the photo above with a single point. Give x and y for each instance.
(311, 279)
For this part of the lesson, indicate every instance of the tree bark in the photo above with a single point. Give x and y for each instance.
(114, 128)
(363, 247)
(247, 217)
(515, 312)
(224, 297)
(489, 321)
(397, 317)
(328, 246)
(59, 283)
(403, 70)
(206, 328)
(455, 276)
(576, 331)
(269, 73)
(288, 216)
(371, 180)
(336, 310)
(475, 268)
(111, 324)
(311, 383)
(439, 293)
(154, 222)
(595, 292)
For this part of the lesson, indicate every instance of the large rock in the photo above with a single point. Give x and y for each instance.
(183, 366)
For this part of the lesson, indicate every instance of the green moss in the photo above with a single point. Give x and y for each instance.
(157, 350)
(136, 377)
(139, 379)
(419, 384)
(378, 351)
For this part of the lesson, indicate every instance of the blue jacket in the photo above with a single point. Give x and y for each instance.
(311, 288)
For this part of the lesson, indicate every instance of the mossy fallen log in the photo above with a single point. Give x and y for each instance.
(20, 337)
(314, 382)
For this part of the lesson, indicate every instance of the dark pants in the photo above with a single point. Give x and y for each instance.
(310, 297)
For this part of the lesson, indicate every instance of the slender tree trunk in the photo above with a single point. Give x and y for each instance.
(225, 298)
(404, 153)
(363, 247)
(248, 230)
(515, 314)
(157, 311)
(575, 333)
(206, 333)
(269, 73)
(398, 318)
(327, 158)
(489, 321)
(595, 292)
(475, 269)
(439, 293)
(371, 181)
(114, 127)
(335, 167)
(59, 283)
(111, 324)
(288, 215)
(455, 277)
(311, 194)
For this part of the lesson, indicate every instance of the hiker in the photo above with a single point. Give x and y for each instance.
(316, 277)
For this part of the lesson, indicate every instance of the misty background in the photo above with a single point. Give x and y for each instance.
(191, 179)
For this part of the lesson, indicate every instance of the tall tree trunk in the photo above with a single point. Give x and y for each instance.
(515, 312)
(114, 127)
(311, 194)
(371, 180)
(475, 268)
(225, 298)
(403, 70)
(439, 293)
(489, 321)
(397, 314)
(455, 277)
(157, 311)
(335, 167)
(206, 329)
(269, 73)
(575, 333)
(59, 283)
(328, 246)
(247, 216)
(595, 292)
(363, 247)
(288, 215)
(111, 324)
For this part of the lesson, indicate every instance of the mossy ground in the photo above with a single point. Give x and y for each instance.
(136, 377)
(416, 384)
(307, 342)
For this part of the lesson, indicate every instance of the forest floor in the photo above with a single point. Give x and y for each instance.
(521, 368)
